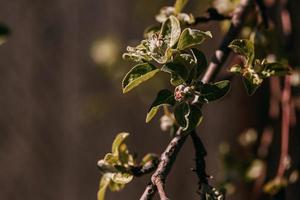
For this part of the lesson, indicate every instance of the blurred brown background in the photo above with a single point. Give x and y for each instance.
(59, 110)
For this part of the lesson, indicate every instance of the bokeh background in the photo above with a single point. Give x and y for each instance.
(61, 105)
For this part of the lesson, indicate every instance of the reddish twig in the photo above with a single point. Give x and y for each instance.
(285, 126)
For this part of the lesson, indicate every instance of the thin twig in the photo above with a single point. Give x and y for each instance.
(220, 56)
(200, 170)
(285, 126)
(166, 161)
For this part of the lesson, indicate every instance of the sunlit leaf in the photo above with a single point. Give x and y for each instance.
(115, 187)
(121, 178)
(275, 69)
(191, 37)
(170, 31)
(150, 157)
(120, 138)
(104, 182)
(243, 47)
(164, 97)
(137, 75)
(187, 116)
(236, 69)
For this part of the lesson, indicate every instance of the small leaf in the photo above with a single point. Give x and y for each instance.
(179, 73)
(187, 116)
(179, 5)
(212, 92)
(191, 37)
(121, 178)
(170, 31)
(181, 112)
(275, 69)
(137, 75)
(104, 182)
(250, 87)
(236, 69)
(120, 138)
(201, 62)
(115, 187)
(164, 97)
(243, 47)
(150, 157)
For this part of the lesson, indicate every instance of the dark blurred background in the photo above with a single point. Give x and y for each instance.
(61, 106)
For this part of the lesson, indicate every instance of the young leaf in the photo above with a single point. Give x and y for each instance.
(121, 178)
(170, 31)
(120, 138)
(164, 97)
(114, 187)
(250, 86)
(137, 75)
(179, 5)
(212, 92)
(243, 47)
(191, 37)
(104, 182)
(187, 116)
(179, 73)
(201, 62)
(275, 69)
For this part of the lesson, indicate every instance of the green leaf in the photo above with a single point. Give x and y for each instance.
(187, 116)
(170, 31)
(104, 182)
(164, 97)
(191, 37)
(179, 73)
(121, 178)
(179, 5)
(250, 87)
(245, 48)
(201, 63)
(275, 69)
(236, 69)
(115, 187)
(137, 75)
(119, 140)
(212, 92)
(150, 157)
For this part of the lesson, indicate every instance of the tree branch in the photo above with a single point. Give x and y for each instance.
(169, 155)
(220, 56)
(200, 170)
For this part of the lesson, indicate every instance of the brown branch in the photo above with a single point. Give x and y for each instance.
(220, 56)
(200, 170)
(167, 159)
(169, 155)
